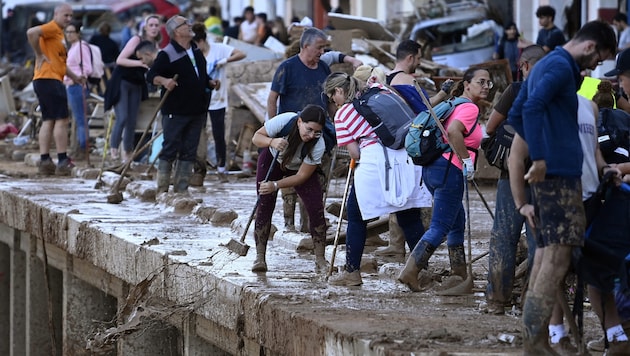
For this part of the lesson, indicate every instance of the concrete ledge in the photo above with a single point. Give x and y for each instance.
(290, 310)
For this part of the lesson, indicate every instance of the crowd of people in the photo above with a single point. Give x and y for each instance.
(551, 184)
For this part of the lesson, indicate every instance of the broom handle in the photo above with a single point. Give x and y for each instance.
(251, 216)
(343, 205)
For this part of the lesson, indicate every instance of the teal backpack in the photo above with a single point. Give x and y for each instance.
(424, 142)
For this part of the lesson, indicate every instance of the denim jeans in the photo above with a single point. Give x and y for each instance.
(446, 184)
(126, 110)
(77, 94)
(506, 232)
(410, 222)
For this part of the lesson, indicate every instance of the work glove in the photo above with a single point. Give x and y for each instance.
(447, 86)
(468, 168)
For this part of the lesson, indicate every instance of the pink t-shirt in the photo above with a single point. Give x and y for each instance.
(466, 113)
(78, 61)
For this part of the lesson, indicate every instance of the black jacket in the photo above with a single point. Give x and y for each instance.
(192, 93)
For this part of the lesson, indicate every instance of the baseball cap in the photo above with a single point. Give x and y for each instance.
(622, 64)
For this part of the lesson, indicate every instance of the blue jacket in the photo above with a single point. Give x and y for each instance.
(545, 114)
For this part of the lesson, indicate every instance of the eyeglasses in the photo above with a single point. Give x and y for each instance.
(70, 31)
(599, 57)
(483, 82)
(187, 22)
(314, 133)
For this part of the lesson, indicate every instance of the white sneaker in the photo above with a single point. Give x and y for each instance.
(347, 279)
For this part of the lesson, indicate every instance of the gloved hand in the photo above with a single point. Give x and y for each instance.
(447, 86)
(468, 168)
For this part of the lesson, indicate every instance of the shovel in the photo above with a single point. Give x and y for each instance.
(240, 247)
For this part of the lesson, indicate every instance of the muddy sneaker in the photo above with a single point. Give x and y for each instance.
(46, 167)
(347, 279)
(596, 345)
(495, 308)
(223, 177)
(564, 347)
(64, 168)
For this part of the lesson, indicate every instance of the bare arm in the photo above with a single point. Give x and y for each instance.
(495, 119)
(236, 55)
(455, 131)
(262, 140)
(124, 56)
(304, 173)
(33, 34)
(516, 167)
(272, 103)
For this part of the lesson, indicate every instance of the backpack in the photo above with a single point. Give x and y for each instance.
(424, 142)
(98, 67)
(496, 148)
(387, 113)
(328, 133)
(613, 131)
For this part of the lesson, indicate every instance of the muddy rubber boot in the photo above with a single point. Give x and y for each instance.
(289, 198)
(536, 314)
(418, 259)
(182, 176)
(396, 245)
(164, 176)
(260, 264)
(458, 261)
(321, 265)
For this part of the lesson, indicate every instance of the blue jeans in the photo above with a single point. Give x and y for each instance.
(410, 222)
(506, 232)
(446, 184)
(77, 94)
(126, 110)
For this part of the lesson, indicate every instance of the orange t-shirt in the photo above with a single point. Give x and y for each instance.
(51, 42)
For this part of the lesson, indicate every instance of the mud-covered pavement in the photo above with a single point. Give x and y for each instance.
(293, 299)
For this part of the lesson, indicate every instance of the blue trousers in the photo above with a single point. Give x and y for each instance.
(446, 184)
(410, 222)
(77, 94)
(126, 110)
(506, 232)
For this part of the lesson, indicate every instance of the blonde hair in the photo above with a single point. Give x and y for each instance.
(365, 73)
(350, 85)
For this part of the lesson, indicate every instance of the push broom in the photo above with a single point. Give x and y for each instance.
(239, 246)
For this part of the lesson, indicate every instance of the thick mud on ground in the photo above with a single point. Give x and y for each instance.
(381, 311)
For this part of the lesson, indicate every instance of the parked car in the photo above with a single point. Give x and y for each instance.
(459, 36)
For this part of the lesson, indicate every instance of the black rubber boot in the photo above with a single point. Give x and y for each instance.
(164, 176)
(182, 176)
(458, 261)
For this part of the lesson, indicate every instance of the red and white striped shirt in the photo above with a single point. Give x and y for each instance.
(351, 126)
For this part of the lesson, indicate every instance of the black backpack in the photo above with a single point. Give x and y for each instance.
(613, 131)
(387, 113)
(328, 133)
